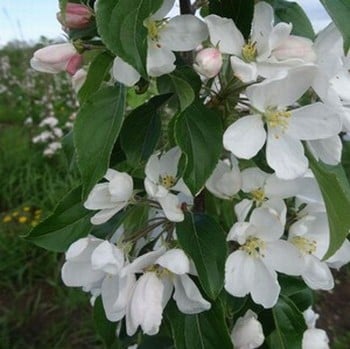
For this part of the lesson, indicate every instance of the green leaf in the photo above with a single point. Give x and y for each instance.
(292, 12)
(184, 82)
(127, 36)
(95, 132)
(141, 131)
(336, 195)
(339, 10)
(204, 241)
(97, 73)
(207, 330)
(290, 325)
(69, 222)
(105, 329)
(195, 129)
(241, 11)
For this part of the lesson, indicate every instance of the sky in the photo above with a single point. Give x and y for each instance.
(29, 19)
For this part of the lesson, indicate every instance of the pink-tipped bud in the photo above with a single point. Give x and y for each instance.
(56, 58)
(295, 47)
(208, 62)
(76, 16)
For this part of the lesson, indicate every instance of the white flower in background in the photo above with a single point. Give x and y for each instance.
(110, 197)
(181, 33)
(341, 257)
(162, 181)
(310, 235)
(50, 121)
(285, 128)
(208, 62)
(52, 148)
(252, 268)
(226, 180)
(315, 338)
(269, 50)
(310, 317)
(247, 332)
(163, 271)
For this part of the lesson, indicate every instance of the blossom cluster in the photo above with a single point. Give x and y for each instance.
(292, 104)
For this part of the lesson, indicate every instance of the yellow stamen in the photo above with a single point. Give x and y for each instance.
(23, 219)
(304, 245)
(7, 219)
(168, 181)
(26, 208)
(277, 118)
(249, 52)
(254, 247)
(258, 195)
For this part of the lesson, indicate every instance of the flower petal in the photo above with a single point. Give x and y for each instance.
(245, 137)
(253, 179)
(171, 207)
(187, 296)
(246, 72)
(99, 198)
(225, 35)
(124, 72)
(175, 260)
(183, 33)
(108, 258)
(341, 257)
(286, 156)
(104, 215)
(160, 60)
(328, 150)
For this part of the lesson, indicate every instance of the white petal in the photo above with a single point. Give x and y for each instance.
(245, 137)
(246, 72)
(145, 308)
(286, 156)
(160, 60)
(317, 274)
(224, 34)
(242, 209)
(328, 150)
(104, 215)
(108, 258)
(155, 191)
(277, 207)
(152, 169)
(124, 72)
(281, 188)
(183, 33)
(283, 257)
(240, 231)
(341, 257)
(169, 161)
(163, 10)
(315, 121)
(253, 179)
(99, 198)
(282, 91)
(315, 338)
(268, 225)
(187, 296)
(121, 187)
(81, 250)
(171, 207)
(341, 84)
(279, 34)
(80, 274)
(175, 260)
(239, 273)
(116, 292)
(264, 286)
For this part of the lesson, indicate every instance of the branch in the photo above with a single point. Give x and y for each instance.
(186, 7)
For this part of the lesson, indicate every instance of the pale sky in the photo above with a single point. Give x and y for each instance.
(29, 19)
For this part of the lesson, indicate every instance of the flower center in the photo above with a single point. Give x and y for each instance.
(277, 118)
(168, 181)
(154, 28)
(249, 52)
(254, 247)
(304, 245)
(258, 195)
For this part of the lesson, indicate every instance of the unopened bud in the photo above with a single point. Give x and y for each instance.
(56, 58)
(295, 47)
(75, 16)
(78, 79)
(208, 62)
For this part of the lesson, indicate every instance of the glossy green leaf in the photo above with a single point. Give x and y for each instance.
(69, 222)
(184, 83)
(290, 325)
(204, 241)
(141, 131)
(105, 329)
(98, 71)
(198, 132)
(292, 12)
(241, 11)
(127, 36)
(339, 10)
(207, 330)
(336, 194)
(95, 131)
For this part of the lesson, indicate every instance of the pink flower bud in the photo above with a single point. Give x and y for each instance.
(78, 79)
(295, 47)
(208, 62)
(76, 16)
(56, 58)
